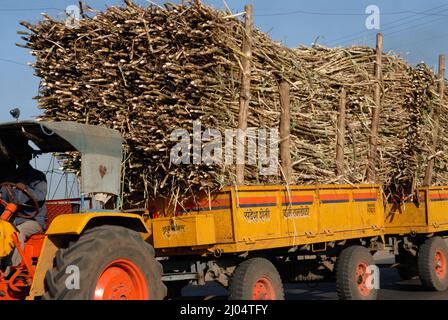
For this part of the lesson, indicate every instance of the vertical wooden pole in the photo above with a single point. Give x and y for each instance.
(244, 93)
(373, 161)
(82, 6)
(436, 117)
(285, 131)
(340, 139)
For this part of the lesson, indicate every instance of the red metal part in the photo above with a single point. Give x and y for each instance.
(440, 264)
(64, 206)
(361, 277)
(20, 278)
(263, 289)
(9, 210)
(19, 283)
(121, 280)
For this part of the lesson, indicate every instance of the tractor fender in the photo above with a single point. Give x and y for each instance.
(75, 224)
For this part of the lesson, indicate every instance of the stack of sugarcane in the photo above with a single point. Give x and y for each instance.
(149, 71)
(409, 96)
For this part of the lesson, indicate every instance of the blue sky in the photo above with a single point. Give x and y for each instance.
(414, 28)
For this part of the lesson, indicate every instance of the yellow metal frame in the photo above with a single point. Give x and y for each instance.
(76, 223)
(266, 217)
(426, 213)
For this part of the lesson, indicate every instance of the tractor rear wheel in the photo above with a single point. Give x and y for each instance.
(256, 279)
(105, 263)
(352, 274)
(432, 264)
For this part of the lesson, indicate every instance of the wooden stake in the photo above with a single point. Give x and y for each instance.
(244, 93)
(82, 8)
(285, 128)
(340, 139)
(371, 170)
(427, 181)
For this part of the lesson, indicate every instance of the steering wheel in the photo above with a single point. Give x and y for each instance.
(35, 205)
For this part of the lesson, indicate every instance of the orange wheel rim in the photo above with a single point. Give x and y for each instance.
(263, 290)
(440, 264)
(121, 280)
(361, 277)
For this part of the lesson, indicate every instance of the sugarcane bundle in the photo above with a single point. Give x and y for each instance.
(149, 71)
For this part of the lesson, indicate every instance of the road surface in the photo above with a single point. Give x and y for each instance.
(392, 288)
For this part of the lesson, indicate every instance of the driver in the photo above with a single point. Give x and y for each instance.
(26, 177)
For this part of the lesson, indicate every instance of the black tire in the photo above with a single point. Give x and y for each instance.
(92, 253)
(427, 266)
(252, 272)
(347, 281)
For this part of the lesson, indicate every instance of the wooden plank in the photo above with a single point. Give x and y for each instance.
(340, 139)
(285, 131)
(373, 157)
(427, 181)
(244, 94)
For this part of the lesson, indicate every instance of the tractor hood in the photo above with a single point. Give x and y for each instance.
(100, 148)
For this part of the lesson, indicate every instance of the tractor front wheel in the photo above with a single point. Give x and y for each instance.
(105, 263)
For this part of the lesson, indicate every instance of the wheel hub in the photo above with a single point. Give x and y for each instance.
(440, 264)
(361, 278)
(263, 290)
(121, 280)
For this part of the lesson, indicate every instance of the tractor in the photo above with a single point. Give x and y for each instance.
(95, 254)
(248, 239)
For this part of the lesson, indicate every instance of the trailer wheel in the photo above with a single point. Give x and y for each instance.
(432, 264)
(256, 279)
(352, 274)
(105, 263)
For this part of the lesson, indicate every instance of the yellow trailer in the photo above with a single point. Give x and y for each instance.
(415, 229)
(251, 238)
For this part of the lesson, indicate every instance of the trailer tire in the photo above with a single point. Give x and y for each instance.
(105, 263)
(256, 279)
(432, 264)
(351, 276)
